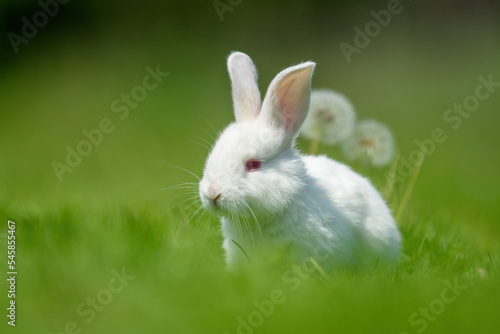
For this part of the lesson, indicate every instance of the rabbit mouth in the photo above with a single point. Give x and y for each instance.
(212, 205)
(215, 201)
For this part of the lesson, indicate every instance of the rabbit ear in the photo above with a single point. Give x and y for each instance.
(287, 100)
(246, 95)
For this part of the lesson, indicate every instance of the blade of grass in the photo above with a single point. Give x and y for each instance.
(246, 255)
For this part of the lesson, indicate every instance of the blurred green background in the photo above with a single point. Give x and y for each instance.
(109, 212)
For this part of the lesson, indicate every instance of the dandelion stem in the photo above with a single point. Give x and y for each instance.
(313, 149)
(409, 189)
(389, 187)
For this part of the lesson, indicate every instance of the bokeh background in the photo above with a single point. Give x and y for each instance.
(73, 233)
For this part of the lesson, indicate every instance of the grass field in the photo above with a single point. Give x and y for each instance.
(108, 218)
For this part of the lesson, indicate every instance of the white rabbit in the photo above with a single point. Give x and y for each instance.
(266, 192)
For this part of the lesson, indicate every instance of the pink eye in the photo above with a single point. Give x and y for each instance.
(252, 165)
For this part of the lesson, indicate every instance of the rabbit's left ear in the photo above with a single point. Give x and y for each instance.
(286, 103)
(246, 95)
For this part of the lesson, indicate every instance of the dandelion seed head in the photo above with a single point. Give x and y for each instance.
(371, 142)
(330, 119)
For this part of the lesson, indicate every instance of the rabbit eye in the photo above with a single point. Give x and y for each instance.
(252, 165)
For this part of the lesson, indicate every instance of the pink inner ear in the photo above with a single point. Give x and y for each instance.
(285, 103)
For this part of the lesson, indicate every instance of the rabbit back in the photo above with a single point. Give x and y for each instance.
(355, 198)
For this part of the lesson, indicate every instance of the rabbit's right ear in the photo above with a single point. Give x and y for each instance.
(286, 104)
(246, 95)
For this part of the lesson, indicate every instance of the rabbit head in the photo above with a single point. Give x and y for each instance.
(253, 168)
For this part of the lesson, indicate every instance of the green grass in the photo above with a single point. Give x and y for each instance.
(109, 214)
(67, 254)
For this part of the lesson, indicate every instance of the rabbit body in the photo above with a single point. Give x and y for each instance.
(338, 213)
(267, 193)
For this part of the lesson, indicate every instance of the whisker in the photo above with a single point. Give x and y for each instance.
(190, 205)
(194, 214)
(256, 220)
(201, 144)
(210, 230)
(245, 227)
(215, 131)
(182, 182)
(248, 227)
(208, 133)
(183, 201)
(202, 139)
(237, 224)
(194, 192)
(200, 217)
(180, 168)
(180, 186)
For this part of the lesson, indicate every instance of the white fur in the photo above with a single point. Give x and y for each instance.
(308, 205)
(246, 95)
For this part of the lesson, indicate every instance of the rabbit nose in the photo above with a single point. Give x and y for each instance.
(214, 194)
